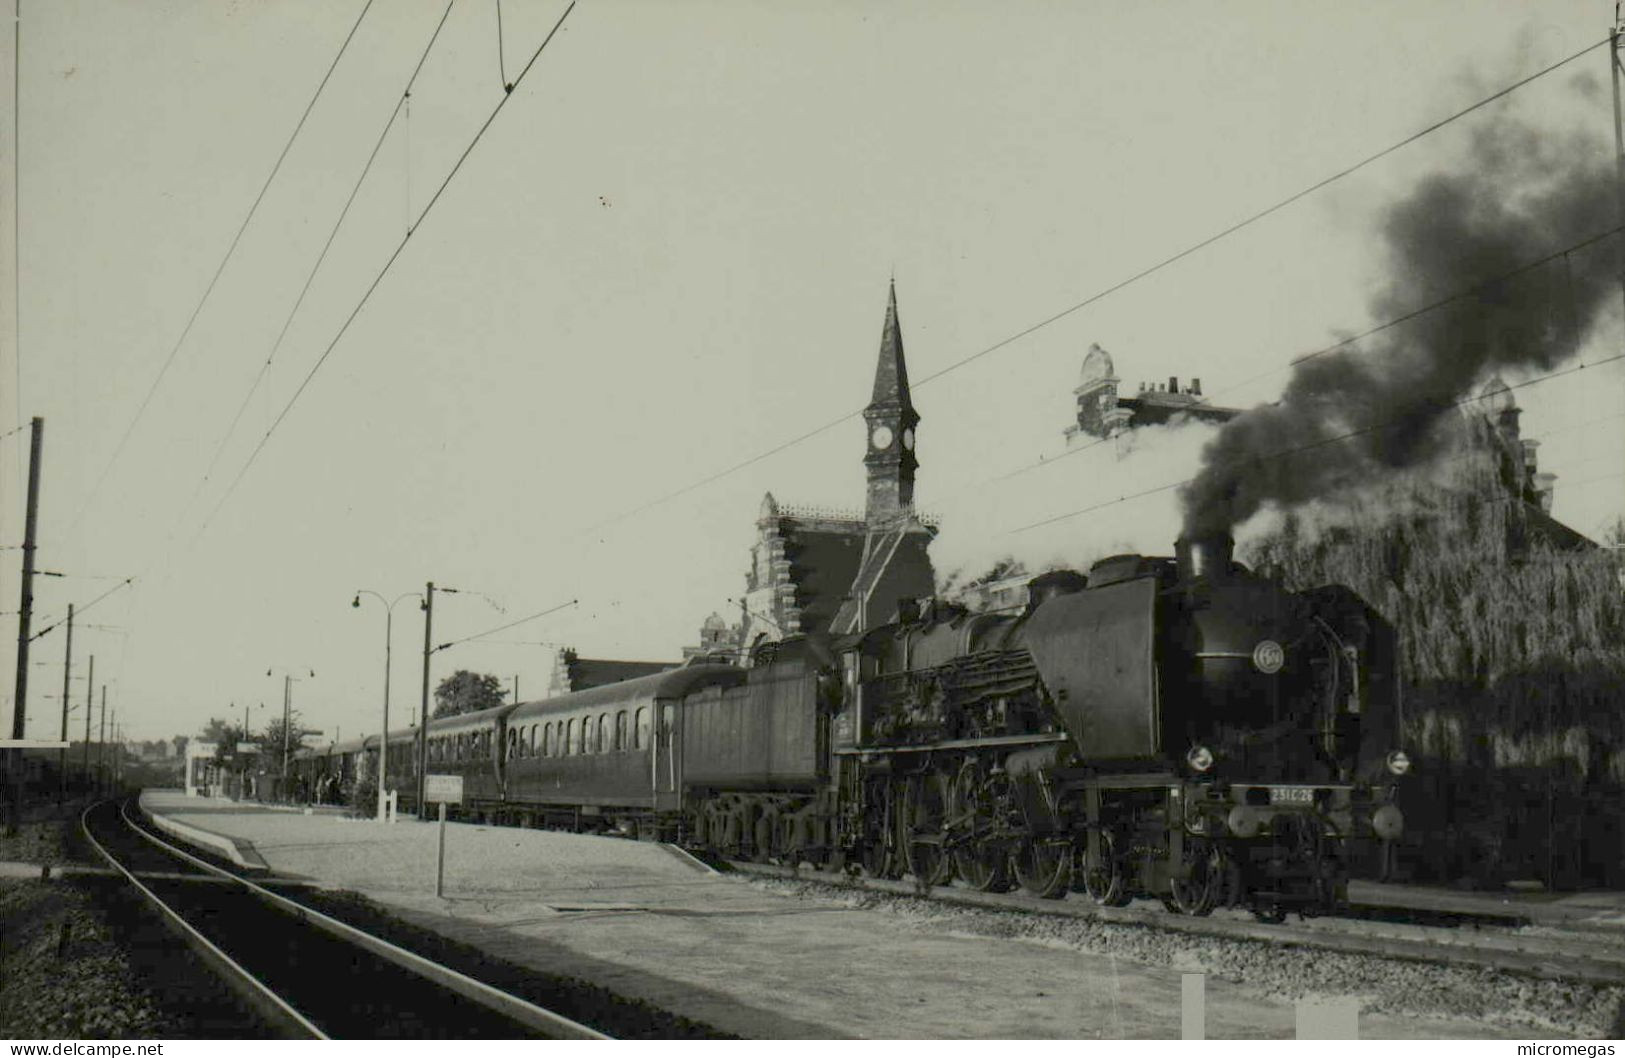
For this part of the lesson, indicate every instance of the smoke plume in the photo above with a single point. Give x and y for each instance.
(1349, 416)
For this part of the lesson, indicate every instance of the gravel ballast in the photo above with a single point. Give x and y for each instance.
(1402, 988)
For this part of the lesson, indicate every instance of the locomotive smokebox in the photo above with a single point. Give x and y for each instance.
(1207, 557)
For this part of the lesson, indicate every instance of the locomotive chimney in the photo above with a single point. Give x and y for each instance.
(1204, 557)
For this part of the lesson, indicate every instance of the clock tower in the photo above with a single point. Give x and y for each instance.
(890, 421)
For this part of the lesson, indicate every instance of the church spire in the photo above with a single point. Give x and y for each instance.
(891, 419)
(891, 374)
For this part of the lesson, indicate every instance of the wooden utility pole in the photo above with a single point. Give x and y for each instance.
(287, 695)
(67, 676)
(1619, 139)
(25, 616)
(90, 688)
(423, 716)
(101, 744)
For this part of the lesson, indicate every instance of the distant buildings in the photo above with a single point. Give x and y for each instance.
(574, 673)
(1102, 412)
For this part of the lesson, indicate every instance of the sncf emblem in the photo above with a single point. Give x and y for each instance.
(1268, 657)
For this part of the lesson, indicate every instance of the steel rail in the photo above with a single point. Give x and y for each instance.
(1561, 962)
(521, 1010)
(258, 994)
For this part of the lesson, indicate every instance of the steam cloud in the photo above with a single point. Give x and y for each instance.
(1521, 195)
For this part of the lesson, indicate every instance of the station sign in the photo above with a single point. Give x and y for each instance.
(443, 789)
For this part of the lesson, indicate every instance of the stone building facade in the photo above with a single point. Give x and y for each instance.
(1103, 412)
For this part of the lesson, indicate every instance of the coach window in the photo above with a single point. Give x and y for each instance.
(547, 739)
(605, 739)
(570, 747)
(620, 731)
(640, 733)
(589, 735)
(512, 736)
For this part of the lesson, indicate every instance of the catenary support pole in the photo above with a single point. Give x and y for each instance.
(383, 741)
(67, 676)
(90, 687)
(25, 615)
(101, 746)
(423, 715)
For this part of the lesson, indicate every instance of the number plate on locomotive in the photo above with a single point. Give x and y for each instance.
(1292, 795)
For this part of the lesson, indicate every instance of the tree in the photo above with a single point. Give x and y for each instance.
(271, 740)
(225, 735)
(467, 692)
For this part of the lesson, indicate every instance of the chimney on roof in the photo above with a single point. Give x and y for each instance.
(1545, 486)
(1196, 387)
(1173, 383)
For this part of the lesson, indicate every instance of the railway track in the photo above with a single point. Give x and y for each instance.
(1505, 943)
(309, 975)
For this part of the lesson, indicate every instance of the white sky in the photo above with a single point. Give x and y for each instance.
(669, 253)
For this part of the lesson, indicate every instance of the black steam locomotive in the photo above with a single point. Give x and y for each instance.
(1174, 728)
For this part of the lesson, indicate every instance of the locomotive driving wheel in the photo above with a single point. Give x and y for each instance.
(878, 855)
(925, 801)
(1044, 866)
(1197, 891)
(981, 860)
(1104, 881)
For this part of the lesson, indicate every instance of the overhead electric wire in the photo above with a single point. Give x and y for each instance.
(80, 611)
(1114, 288)
(221, 268)
(1319, 443)
(510, 624)
(321, 257)
(388, 264)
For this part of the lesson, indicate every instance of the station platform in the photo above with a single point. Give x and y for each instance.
(649, 922)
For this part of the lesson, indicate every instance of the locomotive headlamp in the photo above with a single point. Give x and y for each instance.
(1398, 762)
(1200, 758)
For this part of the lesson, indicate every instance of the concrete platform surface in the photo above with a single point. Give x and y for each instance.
(646, 921)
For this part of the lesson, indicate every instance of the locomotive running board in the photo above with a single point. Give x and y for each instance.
(958, 743)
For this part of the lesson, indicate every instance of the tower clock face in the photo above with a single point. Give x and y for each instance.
(908, 439)
(881, 438)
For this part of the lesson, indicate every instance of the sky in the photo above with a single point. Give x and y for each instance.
(668, 254)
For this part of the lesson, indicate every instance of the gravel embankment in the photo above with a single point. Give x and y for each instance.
(1388, 986)
(63, 974)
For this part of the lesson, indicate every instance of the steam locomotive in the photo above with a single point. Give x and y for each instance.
(1180, 729)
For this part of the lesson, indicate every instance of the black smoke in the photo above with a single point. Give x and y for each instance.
(1350, 416)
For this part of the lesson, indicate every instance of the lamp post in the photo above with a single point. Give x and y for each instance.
(383, 741)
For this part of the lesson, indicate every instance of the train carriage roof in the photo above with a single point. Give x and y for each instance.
(465, 722)
(645, 689)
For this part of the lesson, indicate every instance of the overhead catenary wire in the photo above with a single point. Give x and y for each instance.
(404, 100)
(1106, 292)
(382, 272)
(82, 609)
(220, 269)
(510, 624)
(1318, 443)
